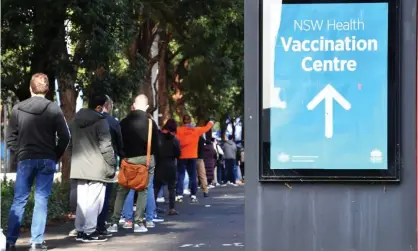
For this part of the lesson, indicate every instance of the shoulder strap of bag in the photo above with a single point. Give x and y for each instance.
(149, 142)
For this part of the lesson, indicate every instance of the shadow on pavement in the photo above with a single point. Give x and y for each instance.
(215, 221)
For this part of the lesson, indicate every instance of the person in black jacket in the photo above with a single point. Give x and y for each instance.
(32, 133)
(166, 169)
(134, 130)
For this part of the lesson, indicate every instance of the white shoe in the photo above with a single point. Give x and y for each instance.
(211, 186)
(113, 228)
(140, 228)
(186, 192)
(122, 221)
(127, 225)
(73, 233)
(160, 199)
(179, 198)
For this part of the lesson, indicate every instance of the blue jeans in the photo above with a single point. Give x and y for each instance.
(186, 181)
(128, 206)
(236, 173)
(42, 172)
(190, 166)
(101, 220)
(151, 206)
(161, 192)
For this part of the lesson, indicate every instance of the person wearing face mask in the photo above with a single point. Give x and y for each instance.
(117, 147)
(92, 166)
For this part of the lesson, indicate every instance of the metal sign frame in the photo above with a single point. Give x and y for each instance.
(392, 174)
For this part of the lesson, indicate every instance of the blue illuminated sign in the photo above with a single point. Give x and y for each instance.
(329, 95)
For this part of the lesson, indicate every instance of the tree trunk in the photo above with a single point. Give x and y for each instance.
(46, 36)
(142, 45)
(176, 85)
(163, 102)
(68, 98)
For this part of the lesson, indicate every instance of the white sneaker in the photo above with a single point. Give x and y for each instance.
(158, 219)
(122, 221)
(211, 186)
(186, 192)
(73, 233)
(113, 228)
(179, 198)
(127, 225)
(140, 228)
(160, 199)
(193, 199)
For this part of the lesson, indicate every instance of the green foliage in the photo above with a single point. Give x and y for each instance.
(69, 38)
(58, 205)
(88, 42)
(214, 81)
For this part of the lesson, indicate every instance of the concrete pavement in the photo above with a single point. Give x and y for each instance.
(215, 223)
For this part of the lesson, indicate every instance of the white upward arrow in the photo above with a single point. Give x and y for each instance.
(329, 94)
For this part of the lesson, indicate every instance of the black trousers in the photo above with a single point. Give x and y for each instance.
(167, 175)
(241, 167)
(229, 166)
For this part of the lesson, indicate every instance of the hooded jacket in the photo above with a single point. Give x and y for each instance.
(34, 126)
(92, 155)
(189, 138)
(230, 150)
(116, 134)
(169, 151)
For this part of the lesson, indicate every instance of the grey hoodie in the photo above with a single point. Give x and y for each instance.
(92, 155)
(230, 150)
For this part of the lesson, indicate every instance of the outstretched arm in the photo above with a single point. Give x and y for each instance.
(203, 129)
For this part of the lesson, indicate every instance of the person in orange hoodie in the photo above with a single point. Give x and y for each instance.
(188, 135)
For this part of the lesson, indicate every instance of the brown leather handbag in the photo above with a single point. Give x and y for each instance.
(135, 176)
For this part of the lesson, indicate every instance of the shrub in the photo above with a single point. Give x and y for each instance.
(58, 205)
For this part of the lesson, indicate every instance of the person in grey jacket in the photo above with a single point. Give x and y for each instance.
(92, 166)
(230, 154)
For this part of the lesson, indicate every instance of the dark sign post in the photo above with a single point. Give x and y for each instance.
(330, 89)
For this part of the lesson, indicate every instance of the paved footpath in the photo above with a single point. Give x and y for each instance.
(215, 223)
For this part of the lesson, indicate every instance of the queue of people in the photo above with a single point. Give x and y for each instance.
(149, 159)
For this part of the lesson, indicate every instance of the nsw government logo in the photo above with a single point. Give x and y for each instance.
(376, 156)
